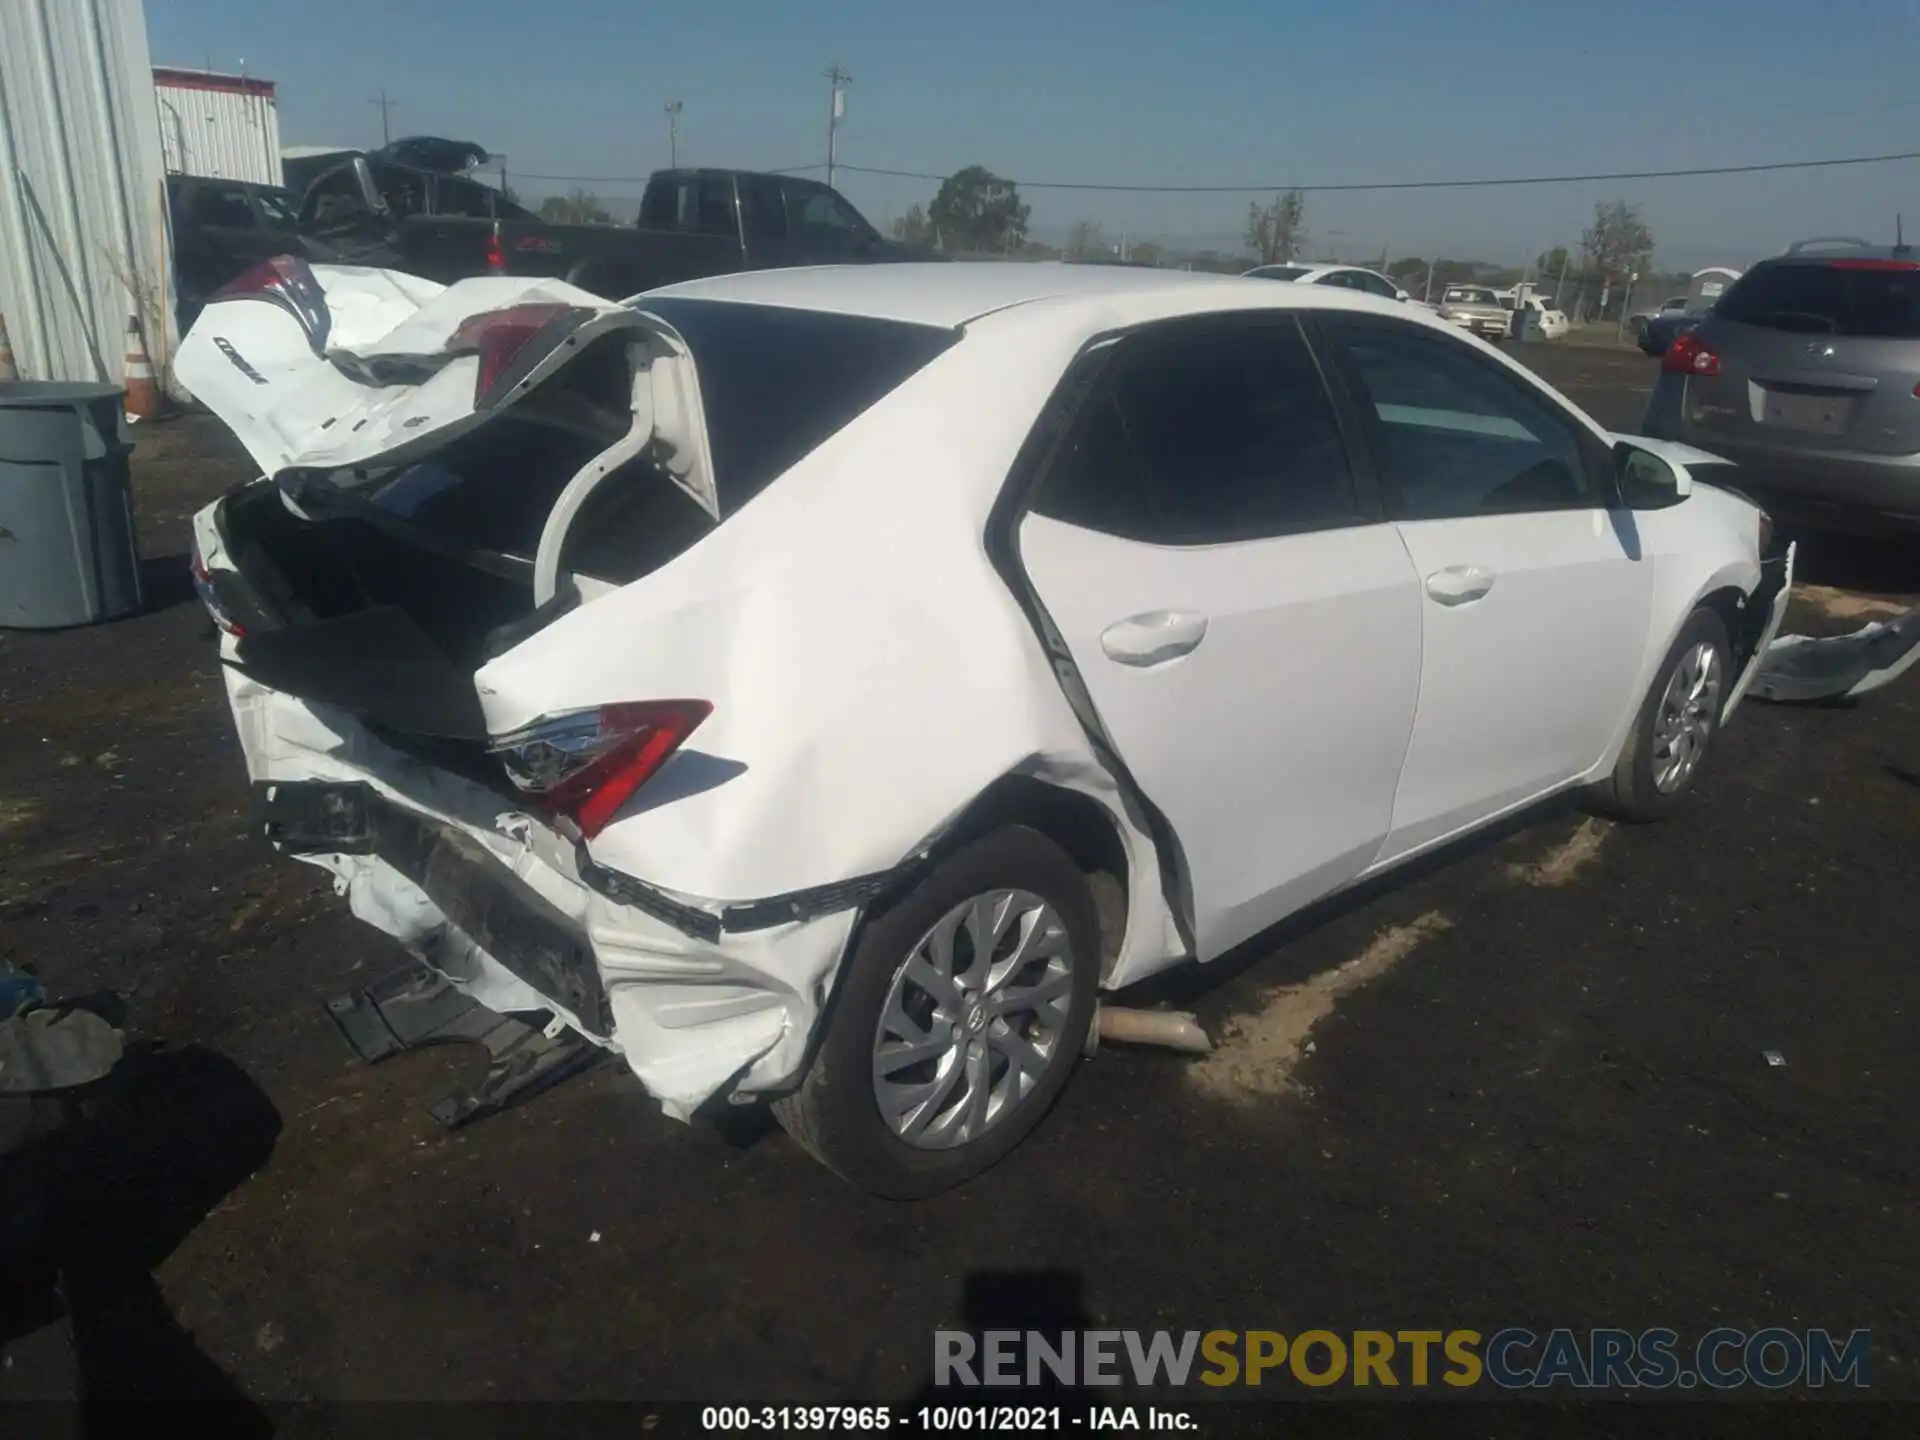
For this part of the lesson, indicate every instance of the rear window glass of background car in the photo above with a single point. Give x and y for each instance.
(776, 382)
(1205, 437)
(1828, 299)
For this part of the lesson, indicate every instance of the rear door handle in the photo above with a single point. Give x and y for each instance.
(1154, 637)
(1459, 584)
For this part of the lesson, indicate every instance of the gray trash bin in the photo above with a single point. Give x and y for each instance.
(67, 552)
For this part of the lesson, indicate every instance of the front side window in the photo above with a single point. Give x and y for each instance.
(1453, 435)
(224, 206)
(1205, 436)
(822, 215)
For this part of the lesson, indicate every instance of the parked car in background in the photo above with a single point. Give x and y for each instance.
(447, 226)
(221, 229)
(1340, 277)
(1553, 323)
(1661, 330)
(601, 655)
(1806, 373)
(1638, 321)
(1477, 310)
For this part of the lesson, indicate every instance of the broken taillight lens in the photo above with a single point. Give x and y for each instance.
(511, 342)
(587, 765)
(210, 596)
(286, 281)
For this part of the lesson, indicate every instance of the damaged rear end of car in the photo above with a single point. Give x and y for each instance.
(511, 657)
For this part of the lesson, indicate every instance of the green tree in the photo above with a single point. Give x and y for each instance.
(1618, 241)
(1278, 231)
(912, 228)
(1551, 263)
(977, 210)
(576, 207)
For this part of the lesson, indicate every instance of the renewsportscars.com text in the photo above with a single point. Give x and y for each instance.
(1510, 1359)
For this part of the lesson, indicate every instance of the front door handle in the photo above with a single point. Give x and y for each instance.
(1154, 637)
(1459, 584)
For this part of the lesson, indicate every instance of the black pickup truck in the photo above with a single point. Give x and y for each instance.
(445, 226)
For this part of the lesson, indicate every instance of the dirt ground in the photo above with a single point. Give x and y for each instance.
(1522, 1086)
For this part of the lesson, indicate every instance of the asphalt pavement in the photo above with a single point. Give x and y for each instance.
(1527, 1085)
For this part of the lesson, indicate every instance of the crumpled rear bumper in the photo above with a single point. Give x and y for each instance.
(494, 900)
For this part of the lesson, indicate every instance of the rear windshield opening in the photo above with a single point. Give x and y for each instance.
(1826, 299)
(776, 382)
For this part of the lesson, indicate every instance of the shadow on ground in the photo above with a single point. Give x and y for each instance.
(97, 1191)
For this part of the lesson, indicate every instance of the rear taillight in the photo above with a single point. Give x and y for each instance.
(286, 281)
(586, 766)
(511, 342)
(1689, 355)
(210, 596)
(496, 253)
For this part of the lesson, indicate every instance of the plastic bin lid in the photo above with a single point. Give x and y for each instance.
(39, 394)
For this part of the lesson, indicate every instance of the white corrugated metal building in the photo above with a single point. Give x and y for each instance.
(225, 127)
(83, 241)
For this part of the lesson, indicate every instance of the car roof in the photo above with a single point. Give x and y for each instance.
(951, 294)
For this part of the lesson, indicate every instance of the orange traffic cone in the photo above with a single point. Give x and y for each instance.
(8, 371)
(143, 395)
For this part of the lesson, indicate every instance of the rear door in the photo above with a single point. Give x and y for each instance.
(1536, 600)
(1814, 354)
(1246, 624)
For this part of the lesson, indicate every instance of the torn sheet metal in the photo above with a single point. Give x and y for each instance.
(1797, 669)
(1776, 612)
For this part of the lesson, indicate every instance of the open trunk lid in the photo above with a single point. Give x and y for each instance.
(428, 447)
(329, 368)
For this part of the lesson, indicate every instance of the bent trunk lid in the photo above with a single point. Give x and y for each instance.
(375, 375)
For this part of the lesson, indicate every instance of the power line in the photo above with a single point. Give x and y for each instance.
(642, 179)
(1419, 184)
(1771, 166)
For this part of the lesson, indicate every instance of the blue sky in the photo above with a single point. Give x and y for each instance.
(1145, 91)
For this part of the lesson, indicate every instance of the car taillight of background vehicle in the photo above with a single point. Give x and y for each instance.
(587, 765)
(286, 281)
(496, 253)
(511, 342)
(1688, 355)
(210, 597)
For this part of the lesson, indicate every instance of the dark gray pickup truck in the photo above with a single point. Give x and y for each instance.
(370, 210)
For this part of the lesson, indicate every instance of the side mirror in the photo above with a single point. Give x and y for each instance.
(1647, 481)
(370, 195)
(1401, 295)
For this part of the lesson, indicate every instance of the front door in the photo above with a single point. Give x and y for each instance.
(1246, 625)
(1535, 599)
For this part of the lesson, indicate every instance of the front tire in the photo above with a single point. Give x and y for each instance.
(1674, 728)
(962, 1012)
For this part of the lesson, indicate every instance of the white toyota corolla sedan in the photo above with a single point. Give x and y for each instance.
(763, 676)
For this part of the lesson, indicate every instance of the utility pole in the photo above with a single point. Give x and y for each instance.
(836, 110)
(386, 133)
(1427, 294)
(674, 107)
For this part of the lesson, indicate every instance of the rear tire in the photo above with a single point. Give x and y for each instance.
(1673, 731)
(990, 1064)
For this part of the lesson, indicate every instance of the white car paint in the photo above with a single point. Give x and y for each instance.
(1303, 710)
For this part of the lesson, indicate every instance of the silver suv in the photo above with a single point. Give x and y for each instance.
(1806, 375)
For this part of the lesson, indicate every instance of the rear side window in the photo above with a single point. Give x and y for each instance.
(776, 382)
(1868, 300)
(1205, 437)
(1455, 436)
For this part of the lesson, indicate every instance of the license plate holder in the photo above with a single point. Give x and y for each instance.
(1813, 414)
